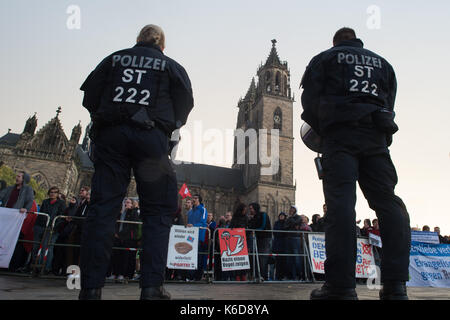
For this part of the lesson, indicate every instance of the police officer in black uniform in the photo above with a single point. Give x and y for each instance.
(348, 99)
(136, 97)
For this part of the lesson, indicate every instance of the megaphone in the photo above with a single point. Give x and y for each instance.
(310, 138)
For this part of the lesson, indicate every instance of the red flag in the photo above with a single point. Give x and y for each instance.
(184, 191)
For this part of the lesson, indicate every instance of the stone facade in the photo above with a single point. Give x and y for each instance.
(48, 155)
(54, 160)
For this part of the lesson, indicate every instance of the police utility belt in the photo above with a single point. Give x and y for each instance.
(127, 115)
(382, 119)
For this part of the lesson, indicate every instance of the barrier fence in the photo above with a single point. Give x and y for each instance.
(46, 243)
(213, 257)
(40, 243)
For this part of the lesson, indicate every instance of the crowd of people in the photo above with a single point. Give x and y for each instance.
(280, 246)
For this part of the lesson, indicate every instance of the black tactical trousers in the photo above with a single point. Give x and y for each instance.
(360, 154)
(117, 150)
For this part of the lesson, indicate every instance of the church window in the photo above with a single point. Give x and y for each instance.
(277, 176)
(285, 86)
(277, 82)
(277, 119)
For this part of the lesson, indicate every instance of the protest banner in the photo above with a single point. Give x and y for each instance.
(233, 249)
(375, 240)
(317, 251)
(183, 248)
(364, 258)
(429, 265)
(12, 221)
(425, 237)
(364, 255)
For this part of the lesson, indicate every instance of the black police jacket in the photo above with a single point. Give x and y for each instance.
(345, 84)
(135, 78)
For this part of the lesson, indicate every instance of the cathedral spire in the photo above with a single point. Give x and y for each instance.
(76, 133)
(30, 125)
(251, 93)
(273, 59)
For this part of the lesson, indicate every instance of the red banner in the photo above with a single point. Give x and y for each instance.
(233, 249)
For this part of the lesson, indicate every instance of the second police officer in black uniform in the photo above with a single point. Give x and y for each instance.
(348, 99)
(136, 97)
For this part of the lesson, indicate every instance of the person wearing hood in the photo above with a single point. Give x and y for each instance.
(20, 195)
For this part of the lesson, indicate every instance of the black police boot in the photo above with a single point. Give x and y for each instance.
(154, 293)
(90, 294)
(328, 292)
(393, 291)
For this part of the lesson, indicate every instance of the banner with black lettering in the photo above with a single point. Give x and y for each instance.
(183, 248)
(425, 236)
(429, 265)
(364, 255)
(233, 249)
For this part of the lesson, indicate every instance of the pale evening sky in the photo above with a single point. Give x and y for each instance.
(221, 45)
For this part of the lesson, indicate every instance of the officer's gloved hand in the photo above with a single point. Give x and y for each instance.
(389, 139)
(384, 121)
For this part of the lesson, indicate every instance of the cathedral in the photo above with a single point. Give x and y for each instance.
(54, 160)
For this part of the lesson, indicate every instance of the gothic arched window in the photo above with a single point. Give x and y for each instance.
(268, 75)
(278, 82)
(277, 119)
(277, 176)
(285, 86)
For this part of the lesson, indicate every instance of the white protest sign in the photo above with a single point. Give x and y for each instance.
(364, 255)
(364, 258)
(317, 251)
(429, 265)
(424, 236)
(183, 248)
(375, 240)
(11, 223)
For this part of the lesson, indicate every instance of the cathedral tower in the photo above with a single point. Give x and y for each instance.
(268, 105)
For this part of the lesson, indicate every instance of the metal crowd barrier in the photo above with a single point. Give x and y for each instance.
(256, 270)
(209, 275)
(53, 244)
(36, 242)
(49, 244)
